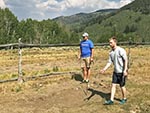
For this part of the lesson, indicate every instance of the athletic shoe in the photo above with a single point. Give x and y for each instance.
(123, 101)
(87, 81)
(109, 102)
(83, 81)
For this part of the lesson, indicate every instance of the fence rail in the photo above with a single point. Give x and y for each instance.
(72, 73)
(20, 45)
(23, 45)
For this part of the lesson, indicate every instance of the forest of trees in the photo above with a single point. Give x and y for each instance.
(32, 31)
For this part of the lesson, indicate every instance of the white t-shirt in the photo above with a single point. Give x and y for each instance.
(117, 57)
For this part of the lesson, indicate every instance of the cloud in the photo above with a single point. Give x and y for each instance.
(44, 9)
(2, 4)
(68, 7)
(124, 2)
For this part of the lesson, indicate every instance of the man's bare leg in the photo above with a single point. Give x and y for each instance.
(113, 91)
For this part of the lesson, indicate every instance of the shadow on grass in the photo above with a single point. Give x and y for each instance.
(106, 96)
(77, 77)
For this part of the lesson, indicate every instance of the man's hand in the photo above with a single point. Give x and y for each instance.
(79, 57)
(102, 71)
(125, 73)
(105, 68)
(91, 59)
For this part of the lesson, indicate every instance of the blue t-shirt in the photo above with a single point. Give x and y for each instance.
(86, 46)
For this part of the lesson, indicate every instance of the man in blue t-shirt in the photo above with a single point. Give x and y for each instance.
(86, 56)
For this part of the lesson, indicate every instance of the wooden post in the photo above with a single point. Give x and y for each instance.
(20, 78)
(129, 53)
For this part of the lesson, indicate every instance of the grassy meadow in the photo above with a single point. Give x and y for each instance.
(61, 94)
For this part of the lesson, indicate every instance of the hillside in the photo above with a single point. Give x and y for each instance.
(124, 24)
(83, 17)
(142, 6)
(79, 21)
(131, 21)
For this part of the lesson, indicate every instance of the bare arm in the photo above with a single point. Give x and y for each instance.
(125, 59)
(106, 67)
(79, 54)
(92, 54)
(125, 67)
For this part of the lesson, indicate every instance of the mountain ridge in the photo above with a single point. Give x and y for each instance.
(132, 20)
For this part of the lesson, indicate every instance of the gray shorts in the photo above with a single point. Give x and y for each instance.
(119, 78)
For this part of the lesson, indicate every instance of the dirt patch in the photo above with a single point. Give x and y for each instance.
(62, 95)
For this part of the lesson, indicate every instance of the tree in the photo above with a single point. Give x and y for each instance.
(8, 25)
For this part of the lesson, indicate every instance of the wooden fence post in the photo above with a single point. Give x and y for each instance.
(20, 78)
(129, 53)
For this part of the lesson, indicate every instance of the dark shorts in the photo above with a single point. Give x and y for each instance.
(118, 78)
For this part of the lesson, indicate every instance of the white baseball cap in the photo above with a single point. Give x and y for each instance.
(85, 34)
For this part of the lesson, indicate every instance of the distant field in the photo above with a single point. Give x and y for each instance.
(62, 94)
(38, 61)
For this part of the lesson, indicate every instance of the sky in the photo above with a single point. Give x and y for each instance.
(44, 9)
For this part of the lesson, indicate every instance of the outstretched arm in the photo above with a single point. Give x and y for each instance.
(107, 65)
(105, 68)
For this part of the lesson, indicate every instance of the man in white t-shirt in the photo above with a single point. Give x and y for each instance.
(118, 57)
